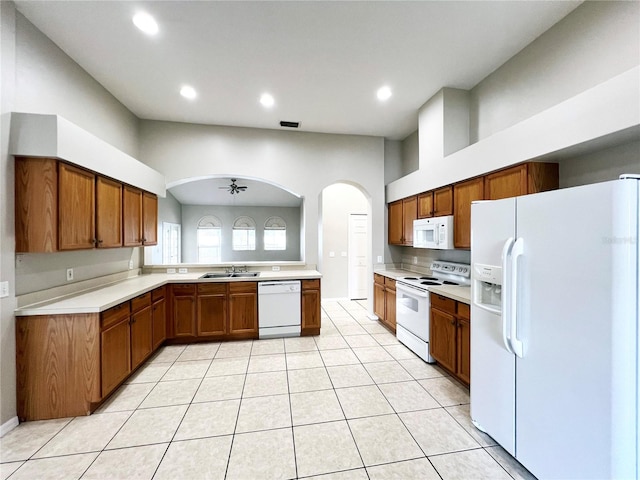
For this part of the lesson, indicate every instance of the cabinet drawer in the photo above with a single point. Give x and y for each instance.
(311, 284)
(379, 279)
(114, 315)
(243, 287)
(183, 289)
(464, 310)
(212, 288)
(443, 303)
(390, 282)
(158, 293)
(140, 302)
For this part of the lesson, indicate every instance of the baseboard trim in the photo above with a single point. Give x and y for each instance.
(9, 425)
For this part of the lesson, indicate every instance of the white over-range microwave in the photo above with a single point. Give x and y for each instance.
(436, 232)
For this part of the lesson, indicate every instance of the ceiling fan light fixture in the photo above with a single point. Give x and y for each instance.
(234, 188)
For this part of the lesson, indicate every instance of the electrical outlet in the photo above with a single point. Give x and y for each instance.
(275, 268)
(69, 274)
(415, 260)
(130, 264)
(379, 258)
(182, 270)
(343, 254)
(4, 289)
(332, 254)
(171, 270)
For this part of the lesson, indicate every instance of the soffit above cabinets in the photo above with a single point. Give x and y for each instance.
(34, 135)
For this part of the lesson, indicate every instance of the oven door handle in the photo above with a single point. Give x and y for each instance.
(403, 287)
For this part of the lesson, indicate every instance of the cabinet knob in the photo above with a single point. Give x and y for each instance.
(99, 241)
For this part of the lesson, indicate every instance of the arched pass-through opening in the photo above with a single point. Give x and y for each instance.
(345, 241)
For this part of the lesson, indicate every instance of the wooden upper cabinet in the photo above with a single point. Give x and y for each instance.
(425, 205)
(443, 201)
(76, 208)
(132, 216)
(409, 214)
(36, 205)
(532, 177)
(149, 219)
(463, 194)
(395, 223)
(108, 213)
(59, 207)
(402, 213)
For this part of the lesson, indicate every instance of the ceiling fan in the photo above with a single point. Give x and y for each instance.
(233, 188)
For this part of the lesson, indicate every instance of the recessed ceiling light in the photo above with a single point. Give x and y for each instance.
(384, 93)
(267, 100)
(146, 23)
(188, 92)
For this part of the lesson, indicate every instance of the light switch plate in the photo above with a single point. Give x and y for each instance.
(415, 260)
(182, 270)
(379, 258)
(130, 264)
(4, 289)
(343, 254)
(69, 274)
(332, 254)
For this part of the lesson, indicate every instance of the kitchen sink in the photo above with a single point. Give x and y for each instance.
(231, 275)
(216, 275)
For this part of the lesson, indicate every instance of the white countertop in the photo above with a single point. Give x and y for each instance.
(459, 293)
(101, 299)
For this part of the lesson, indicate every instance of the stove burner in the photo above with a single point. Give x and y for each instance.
(430, 283)
(447, 282)
(433, 279)
(409, 278)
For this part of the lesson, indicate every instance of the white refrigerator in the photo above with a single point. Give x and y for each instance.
(554, 329)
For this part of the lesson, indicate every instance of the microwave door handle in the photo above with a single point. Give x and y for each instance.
(437, 234)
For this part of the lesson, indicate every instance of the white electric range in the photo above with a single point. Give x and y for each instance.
(412, 303)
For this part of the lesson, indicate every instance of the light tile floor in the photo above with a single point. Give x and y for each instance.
(352, 403)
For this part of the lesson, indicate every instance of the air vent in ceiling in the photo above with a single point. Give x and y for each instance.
(290, 124)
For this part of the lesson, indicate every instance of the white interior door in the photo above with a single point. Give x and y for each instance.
(358, 258)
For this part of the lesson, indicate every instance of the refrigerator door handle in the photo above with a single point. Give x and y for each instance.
(516, 252)
(506, 312)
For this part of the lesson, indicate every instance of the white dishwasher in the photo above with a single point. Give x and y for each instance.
(279, 309)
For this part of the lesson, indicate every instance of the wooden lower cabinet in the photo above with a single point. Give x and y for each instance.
(243, 310)
(310, 307)
(384, 300)
(217, 310)
(159, 316)
(449, 336)
(211, 313)
(183, 310)
(141, 332)
(390, 304)
(378, 296)
(115, 355)
(58, 363)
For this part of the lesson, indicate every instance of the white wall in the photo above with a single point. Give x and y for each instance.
(191, 215)
(37, 77)
(338, 202)
(7, 232)
(597, 41)
(575, 83)
(410, 158)
(303, 163)
(600, 166)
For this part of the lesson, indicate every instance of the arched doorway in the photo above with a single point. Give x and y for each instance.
(345, 242)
